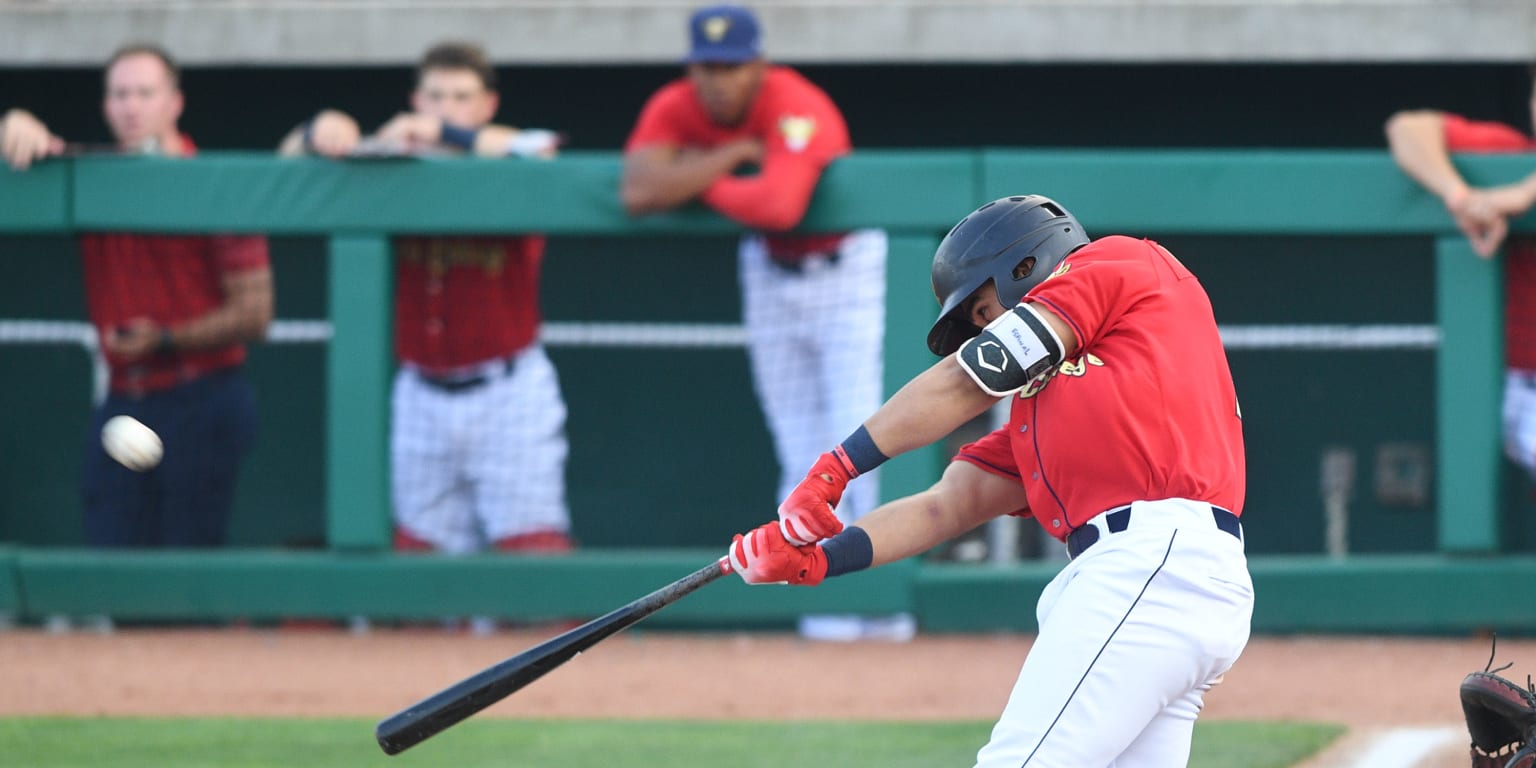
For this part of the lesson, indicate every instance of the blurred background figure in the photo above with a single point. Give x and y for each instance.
(477, 440)
(1422, 141)
(173, 314)
(750, 140)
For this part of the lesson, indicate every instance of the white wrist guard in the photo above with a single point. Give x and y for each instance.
(1011, 351)
(532, 142)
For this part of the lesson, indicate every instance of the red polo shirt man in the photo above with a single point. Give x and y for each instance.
(173, 315)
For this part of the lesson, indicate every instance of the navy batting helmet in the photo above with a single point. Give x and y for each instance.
(1015, 242)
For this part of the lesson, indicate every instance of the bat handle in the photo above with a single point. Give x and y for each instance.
(725, 566)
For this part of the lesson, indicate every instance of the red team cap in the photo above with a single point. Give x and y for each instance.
(723, 34)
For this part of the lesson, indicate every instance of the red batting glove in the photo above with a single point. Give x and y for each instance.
(806, 516)
(764, 557)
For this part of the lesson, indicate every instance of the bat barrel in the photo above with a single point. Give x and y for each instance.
(437, 712)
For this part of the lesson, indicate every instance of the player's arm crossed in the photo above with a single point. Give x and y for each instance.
(1417, 139)
(660, 177)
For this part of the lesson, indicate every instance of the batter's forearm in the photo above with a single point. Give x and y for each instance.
(928, 408)
(909, 526)
(955, 505)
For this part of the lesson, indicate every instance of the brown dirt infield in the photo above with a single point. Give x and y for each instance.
(1369, 684)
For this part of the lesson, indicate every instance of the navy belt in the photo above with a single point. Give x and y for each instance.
(1119, 518)
(796, 263)
(466, 383)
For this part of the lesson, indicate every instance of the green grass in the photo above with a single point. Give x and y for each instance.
(48, 742)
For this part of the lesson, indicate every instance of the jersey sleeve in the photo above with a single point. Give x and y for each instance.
(1463, 135)
(774, 199)
(660, 120)
(240, 253)
(992, 453)
(1093, 287)
(803, 132)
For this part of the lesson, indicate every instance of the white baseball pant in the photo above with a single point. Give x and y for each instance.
(482, 464)
(1133, 632)
(815, 339)
(1520, 418)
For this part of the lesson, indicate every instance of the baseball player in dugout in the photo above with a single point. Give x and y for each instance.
(1124, 442)
(1422, 142)
(750, 139)
(172, 314)
(477, 439)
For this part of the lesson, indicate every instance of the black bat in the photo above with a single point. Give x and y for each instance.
(440, 711)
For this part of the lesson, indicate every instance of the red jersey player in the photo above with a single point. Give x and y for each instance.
(1421, 142)
(1125, 442)
(812, 303)
(477, 432)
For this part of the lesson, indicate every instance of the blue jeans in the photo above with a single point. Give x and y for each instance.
(207, 427)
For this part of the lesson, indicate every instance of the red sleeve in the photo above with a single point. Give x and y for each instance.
(1097, 284)
(1463, 135)
(993, 454)
(773, 200)
(802, 131)
(661, 120)
(239, 253)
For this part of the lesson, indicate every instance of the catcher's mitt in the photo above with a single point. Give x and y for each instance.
(1501, 716)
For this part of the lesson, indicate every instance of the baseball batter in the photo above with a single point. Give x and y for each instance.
(1421, 142)
(813, 304)
(1124, 442)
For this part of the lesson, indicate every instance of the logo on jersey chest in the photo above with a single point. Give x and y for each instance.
(797, 131)
(1076, 367)
(442, 255)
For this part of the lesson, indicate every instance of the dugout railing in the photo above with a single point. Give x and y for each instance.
(915, 195)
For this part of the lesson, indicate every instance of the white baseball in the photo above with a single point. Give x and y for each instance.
(132, 444)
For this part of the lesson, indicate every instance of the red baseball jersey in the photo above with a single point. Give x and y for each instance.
(1463, 135)
(801, 130)
(465, 300)
(170, 279)
(1146, 410)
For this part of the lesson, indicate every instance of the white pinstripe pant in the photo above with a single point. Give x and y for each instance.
(815, 343)
(1520, 419)
(474, 466)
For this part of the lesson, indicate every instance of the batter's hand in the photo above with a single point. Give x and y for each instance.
(806, 516)
(764, 557)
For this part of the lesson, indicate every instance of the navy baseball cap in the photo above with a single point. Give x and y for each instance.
(725, 34)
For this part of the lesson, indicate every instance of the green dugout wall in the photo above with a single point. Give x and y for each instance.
(1336, 239)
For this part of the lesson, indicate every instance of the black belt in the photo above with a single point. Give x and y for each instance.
(1119, 518)
(795, 264)
(465, 383)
